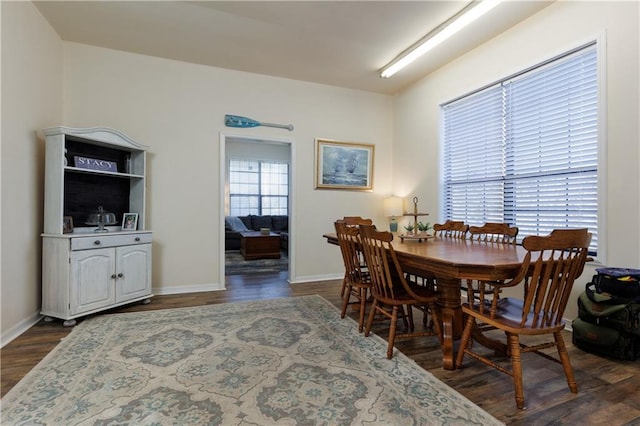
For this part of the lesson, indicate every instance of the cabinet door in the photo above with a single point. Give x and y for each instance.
(133, 272)
(92, 279)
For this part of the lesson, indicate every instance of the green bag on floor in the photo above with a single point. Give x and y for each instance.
(607, 329)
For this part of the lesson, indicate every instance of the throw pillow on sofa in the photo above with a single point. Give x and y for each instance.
(235, 224)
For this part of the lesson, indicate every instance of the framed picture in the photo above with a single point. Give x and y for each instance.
(67, 225)
(344, 165)
(130, 221)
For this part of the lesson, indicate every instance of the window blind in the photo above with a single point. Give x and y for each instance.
(258, 187)
(525, 150)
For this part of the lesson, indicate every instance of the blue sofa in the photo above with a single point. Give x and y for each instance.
(233, 225)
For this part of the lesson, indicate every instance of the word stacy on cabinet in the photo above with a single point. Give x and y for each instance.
(95, 256)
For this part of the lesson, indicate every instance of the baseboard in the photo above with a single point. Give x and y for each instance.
(312, 278)
(201, 288)
(19, 328)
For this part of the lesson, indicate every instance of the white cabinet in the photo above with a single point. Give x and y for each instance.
(84, 271)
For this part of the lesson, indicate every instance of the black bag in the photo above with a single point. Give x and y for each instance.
(605, 327)
(621, 283)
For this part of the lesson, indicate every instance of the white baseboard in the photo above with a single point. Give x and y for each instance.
(200, 288)
(312, 278)
(19, 328)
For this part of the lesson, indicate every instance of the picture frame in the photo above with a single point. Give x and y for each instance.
(130, 221)
(67, 225)
(344, 165)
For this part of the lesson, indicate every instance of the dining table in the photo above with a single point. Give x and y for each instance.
(451, 261)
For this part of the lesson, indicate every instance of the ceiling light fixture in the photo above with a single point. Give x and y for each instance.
(463, 18)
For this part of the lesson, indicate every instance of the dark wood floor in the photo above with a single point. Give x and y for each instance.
(609, 391)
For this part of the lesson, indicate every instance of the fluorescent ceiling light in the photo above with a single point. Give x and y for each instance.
(431, 40)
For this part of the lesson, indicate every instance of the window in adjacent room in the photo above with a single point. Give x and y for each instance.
(258, 187)
(525, 150)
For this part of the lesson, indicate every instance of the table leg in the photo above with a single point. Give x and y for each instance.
(449, 301)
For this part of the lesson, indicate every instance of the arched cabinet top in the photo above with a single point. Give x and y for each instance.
(101, 134)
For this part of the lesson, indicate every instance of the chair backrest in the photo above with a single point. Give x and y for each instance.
(451, 229)
(356, 221)
(494, 233)
(551, 266)
(349, 242)
(382, 262)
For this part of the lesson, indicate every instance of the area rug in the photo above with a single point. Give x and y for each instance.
(235, 264)
(284, 361)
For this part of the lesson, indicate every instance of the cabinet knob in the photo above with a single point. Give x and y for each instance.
(120, 275)
(113, 276)
(137, 239)
(96, 242)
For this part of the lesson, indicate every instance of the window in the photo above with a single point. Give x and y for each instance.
(258, 187)
(525, 150)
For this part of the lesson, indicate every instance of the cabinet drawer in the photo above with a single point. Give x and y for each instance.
(100, 241)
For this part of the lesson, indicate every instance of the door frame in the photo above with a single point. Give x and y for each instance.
(222, 194)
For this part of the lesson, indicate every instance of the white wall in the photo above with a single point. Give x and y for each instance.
(178, 109)
(31, 100)
(552, 31)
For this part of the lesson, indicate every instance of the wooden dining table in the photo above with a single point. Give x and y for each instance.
(450, 261)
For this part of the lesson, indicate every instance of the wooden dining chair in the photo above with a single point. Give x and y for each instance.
(356, 221)
(356, 278)
(490, 233)
(353, 221)
(550, 268)
(391, 292)
(451, 229)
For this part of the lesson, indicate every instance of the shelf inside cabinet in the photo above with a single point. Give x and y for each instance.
(101, 172)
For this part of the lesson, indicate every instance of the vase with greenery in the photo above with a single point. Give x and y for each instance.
(409, 229)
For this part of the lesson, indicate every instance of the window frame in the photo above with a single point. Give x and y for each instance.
(260, 195)
(600, 54)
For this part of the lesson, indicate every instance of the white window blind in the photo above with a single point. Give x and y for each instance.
(258, 188)
(525, 151)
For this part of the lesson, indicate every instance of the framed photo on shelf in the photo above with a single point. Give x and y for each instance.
(67, 225)
(130, 221)
(344, 165)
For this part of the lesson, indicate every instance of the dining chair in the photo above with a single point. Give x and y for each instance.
(356, 221)
(356, 278)
(494, 233)
(390, 290)
(353, 221)
(451, 229)
(491, 233)
(546, 277)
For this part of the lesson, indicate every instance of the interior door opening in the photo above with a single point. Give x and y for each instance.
(256, 205)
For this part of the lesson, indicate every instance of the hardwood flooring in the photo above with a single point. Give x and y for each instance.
(609, 390)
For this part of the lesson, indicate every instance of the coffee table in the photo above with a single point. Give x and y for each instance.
(256, 245)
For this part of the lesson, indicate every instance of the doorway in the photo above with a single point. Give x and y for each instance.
(253, 153)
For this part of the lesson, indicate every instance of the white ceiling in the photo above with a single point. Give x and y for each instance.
(339, 43)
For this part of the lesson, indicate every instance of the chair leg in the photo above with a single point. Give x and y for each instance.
(435, 320)
(516, 365)
(363, 304)
(410, 318)
(345, 300)
(464, 340)
(344, 285)
(566, 363)
(372, 313)
(392, 331)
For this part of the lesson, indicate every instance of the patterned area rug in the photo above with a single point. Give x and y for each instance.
(283, 361)
(235, 264)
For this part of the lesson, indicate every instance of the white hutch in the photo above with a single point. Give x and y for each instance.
(86, 269)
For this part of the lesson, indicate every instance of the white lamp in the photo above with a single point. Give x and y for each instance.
(440, 34)
(393, 208)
